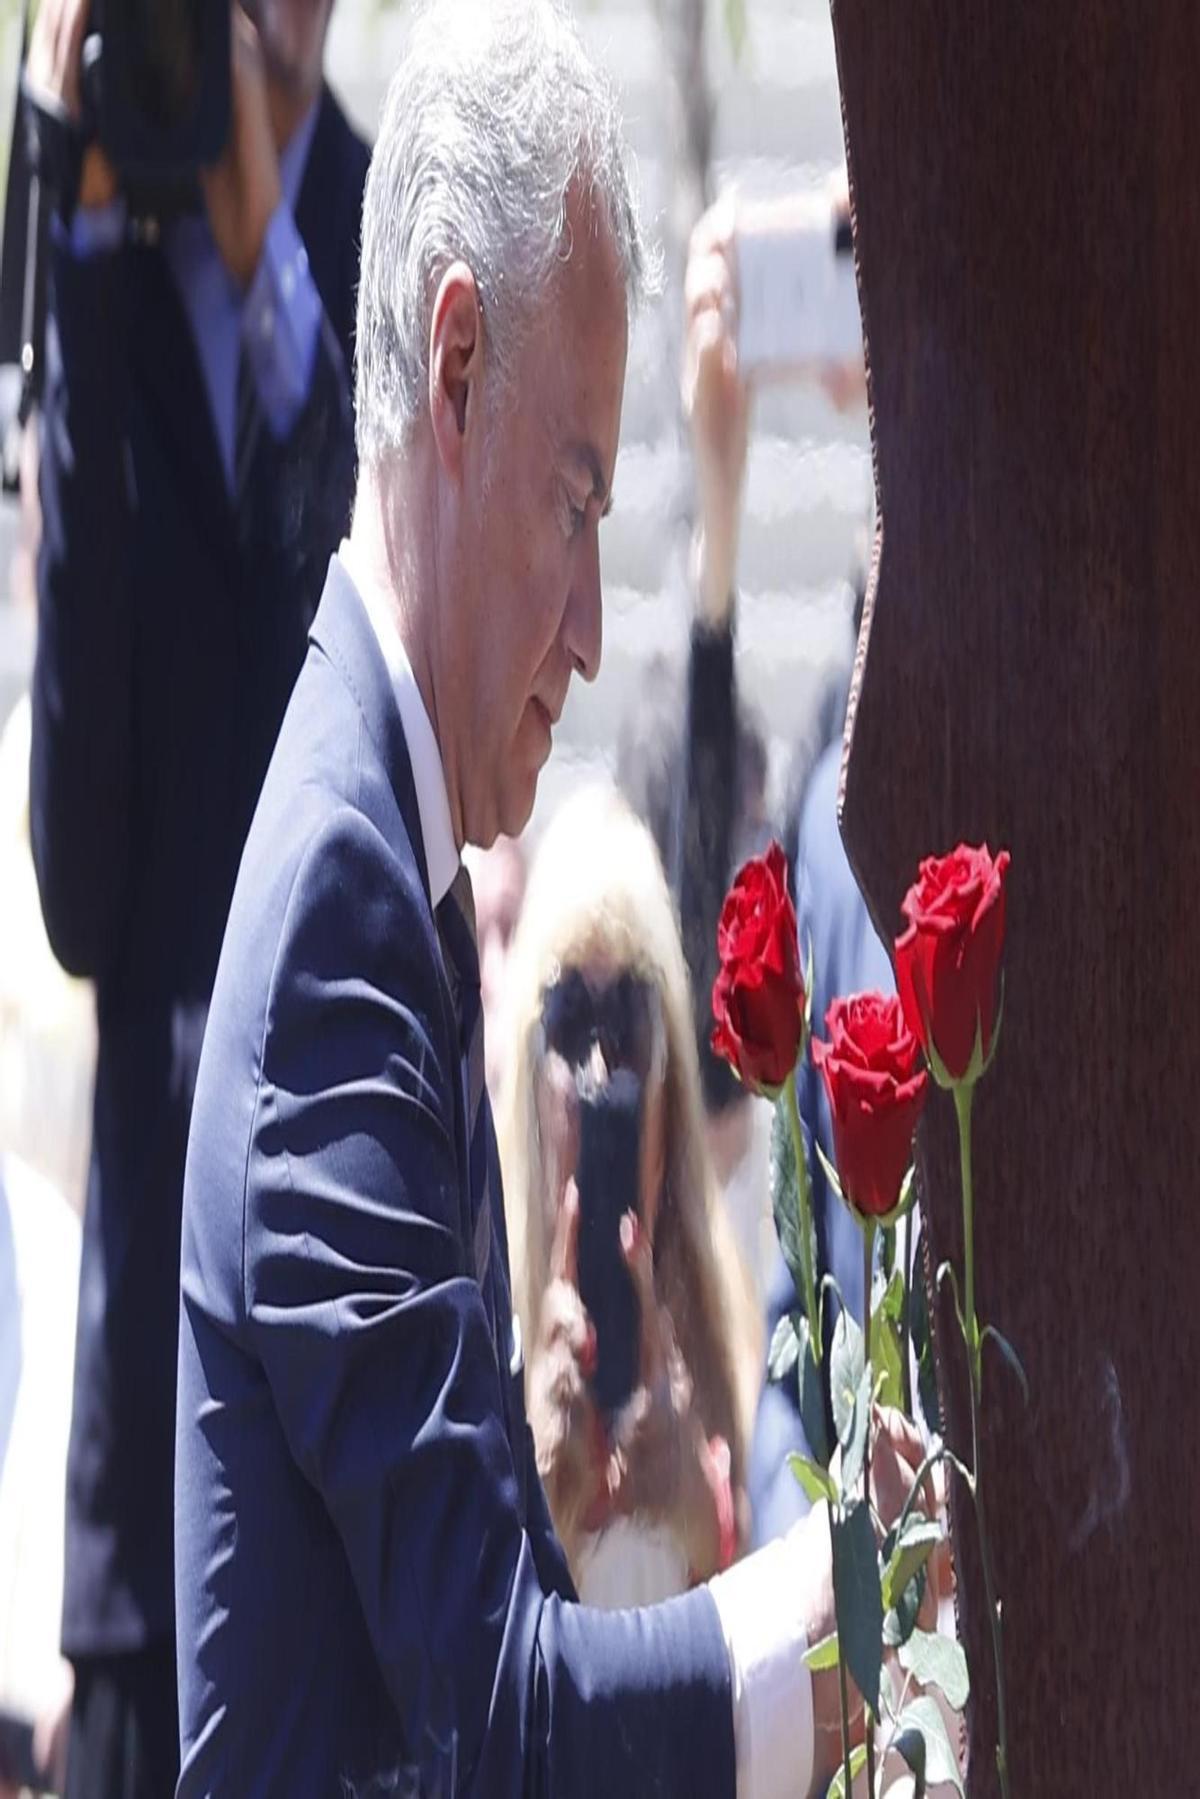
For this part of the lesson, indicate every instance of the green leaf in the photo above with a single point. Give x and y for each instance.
(855, 1447)
(837, 1785)
(785, 1195)
(947, 1272)
(823, 1655)
(900, 1619)
(813, 1415)
(937, 1661)
(887, 1351)
(1009, 1353)
(906, 1549)
(891, 1302)
(910, 1551)
(845, 1371)
(933, 1756)
(857, 1599)
(784, 1352)
(816, 1481)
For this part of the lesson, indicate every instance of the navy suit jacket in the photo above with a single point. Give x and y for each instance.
(370, 1596)
(166, 653)
(848, 957)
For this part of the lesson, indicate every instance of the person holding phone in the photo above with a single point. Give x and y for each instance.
(641, 1339)
(197, 460)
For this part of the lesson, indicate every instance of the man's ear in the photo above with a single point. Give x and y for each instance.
(455, 361)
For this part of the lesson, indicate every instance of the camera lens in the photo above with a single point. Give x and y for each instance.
(165, 41)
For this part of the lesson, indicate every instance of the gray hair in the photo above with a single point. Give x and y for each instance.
(492, 117)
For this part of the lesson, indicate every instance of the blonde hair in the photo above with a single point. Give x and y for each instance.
(597, 893)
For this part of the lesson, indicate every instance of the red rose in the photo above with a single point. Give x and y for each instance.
(758, 995)
(948, 959)
(872, 1071)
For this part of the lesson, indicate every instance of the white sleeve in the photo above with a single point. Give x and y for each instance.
(764, 1604)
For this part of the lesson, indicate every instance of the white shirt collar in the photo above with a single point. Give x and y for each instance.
(429, 778)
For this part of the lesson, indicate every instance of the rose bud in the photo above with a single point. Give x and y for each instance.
(871, 1066)
(758, 996)
(948, 960)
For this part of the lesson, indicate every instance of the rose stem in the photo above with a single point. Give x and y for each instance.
(806, 1235)
(845, 1696)
(963, 1095)
(868, 1269)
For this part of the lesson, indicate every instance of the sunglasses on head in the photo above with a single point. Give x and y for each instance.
(620, 1017)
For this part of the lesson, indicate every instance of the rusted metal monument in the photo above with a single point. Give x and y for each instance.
(1026, 196)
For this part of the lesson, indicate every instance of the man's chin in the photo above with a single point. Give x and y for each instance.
(517, 808)
(507, 815)
(516, 800)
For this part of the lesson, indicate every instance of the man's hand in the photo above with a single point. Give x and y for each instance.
(716, 401)
(657, 1468)
(810, 1552)
(569, 1439)
(896, 1455)
(242, 190)
(54, 72)
(844, 383)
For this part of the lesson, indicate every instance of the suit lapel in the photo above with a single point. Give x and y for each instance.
(343, 631)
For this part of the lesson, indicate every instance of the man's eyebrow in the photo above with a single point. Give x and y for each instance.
(586, 454)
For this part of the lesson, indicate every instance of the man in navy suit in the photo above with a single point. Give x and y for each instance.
(196, 472)
(370, 1596)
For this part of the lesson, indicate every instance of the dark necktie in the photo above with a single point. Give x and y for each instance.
(456, 927)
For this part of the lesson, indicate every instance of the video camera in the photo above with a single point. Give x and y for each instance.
(156, 94)
(156, 97)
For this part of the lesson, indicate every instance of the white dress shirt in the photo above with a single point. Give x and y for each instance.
(765, 1601)
(429, 780)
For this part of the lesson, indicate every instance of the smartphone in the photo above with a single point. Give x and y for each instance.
(610, 1137)
(797, 294)
(16, 1754)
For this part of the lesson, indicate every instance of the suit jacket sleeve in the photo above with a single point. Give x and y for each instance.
(374, 1338)
(82, 698)
(83, 758)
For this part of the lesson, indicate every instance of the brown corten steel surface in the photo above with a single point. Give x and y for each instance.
(1024, 181)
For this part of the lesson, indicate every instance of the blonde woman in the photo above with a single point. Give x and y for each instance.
(651, 1499)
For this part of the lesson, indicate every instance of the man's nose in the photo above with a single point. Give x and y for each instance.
(583, 624)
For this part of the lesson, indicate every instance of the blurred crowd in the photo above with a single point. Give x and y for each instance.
(119, 836)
